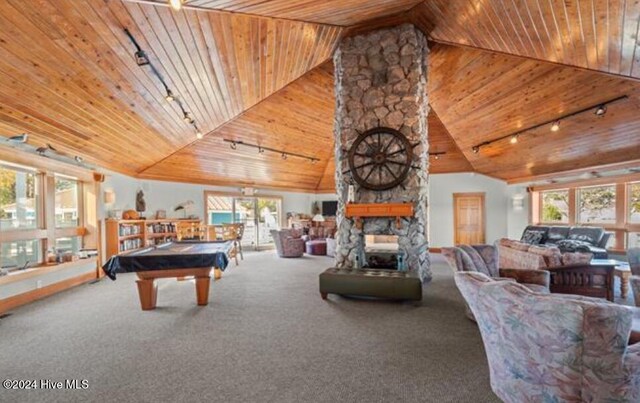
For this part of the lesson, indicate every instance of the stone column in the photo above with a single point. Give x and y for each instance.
(381, 80)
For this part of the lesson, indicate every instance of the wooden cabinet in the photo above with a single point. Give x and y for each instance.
(129, 235)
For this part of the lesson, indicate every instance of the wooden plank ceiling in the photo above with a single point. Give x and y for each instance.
(332, 12)
(297, 119)
(69, 77)
(592, 34)
(481, 96)
(256, 71)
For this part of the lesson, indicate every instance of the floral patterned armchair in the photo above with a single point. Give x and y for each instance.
(633, 256)
(551, 347)
(288, 242)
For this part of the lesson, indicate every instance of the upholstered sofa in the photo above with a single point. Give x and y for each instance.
(569, 239)
(289, 242)
(571, 272)
(553, 348)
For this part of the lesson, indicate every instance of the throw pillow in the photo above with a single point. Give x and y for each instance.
(532, 237)
(552, 256)
(569, 258)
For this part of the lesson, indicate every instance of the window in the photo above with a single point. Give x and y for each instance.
(555, 206)
(597, 204)
(71, 244)
(633, 240)
(66, 206)
(634, 202)
(19, 253)
(18, 199)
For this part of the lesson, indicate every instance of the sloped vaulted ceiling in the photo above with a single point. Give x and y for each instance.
(258, 71)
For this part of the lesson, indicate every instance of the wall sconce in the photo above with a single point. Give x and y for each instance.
(517, 201)
(109, 196)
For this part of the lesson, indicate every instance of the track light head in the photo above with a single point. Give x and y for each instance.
(78, 159)
(476, 149)
(170, 97)
(555, 126)
(260, 150)
(513, 139)
(436, 157)
(199, 135)
(188, 118)
(20, 138)
(233, 145)
(141, 58)
(176, 4)
(284, 156)
(601, 110)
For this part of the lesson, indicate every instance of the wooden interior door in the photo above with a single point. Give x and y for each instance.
(468, 218)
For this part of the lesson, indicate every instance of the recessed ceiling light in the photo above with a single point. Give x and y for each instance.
(514, 139)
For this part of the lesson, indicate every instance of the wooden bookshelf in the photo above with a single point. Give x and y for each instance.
(130, 235)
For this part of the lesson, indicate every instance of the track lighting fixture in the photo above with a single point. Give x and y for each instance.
(169, 97)
(187, 117)
(262, 149)
(176, 4)
(141, 58)
(199, 135)
(20, 138)
(600, 110)
(78, 159)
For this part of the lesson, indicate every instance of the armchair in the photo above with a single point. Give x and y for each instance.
(546, 347)
(288, 243)
(484, 259)
(633, 256)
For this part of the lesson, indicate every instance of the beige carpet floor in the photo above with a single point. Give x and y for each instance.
(266, 336)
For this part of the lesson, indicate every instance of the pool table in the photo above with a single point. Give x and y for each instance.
(173, 259)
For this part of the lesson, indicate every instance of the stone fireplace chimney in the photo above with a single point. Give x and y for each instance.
(381, 81)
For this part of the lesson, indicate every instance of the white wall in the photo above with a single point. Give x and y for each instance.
(517, 219)
(441, 190)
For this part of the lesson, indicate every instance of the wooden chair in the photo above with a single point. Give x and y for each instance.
(230, 233)
(239, 228)
(191, 231)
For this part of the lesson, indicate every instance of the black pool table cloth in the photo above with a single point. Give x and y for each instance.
(173, 255)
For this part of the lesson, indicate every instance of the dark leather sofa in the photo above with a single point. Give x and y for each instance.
(569, 239)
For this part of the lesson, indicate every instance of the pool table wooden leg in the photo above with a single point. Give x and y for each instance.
(202, 289)
(217, 274)
(148, 292)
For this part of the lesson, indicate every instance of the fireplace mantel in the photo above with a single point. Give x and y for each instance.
(397, 210)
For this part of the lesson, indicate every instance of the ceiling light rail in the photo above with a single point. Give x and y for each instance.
(143, 60)
(600, 110)
(233, 144)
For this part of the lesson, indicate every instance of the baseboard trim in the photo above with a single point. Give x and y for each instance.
(27, 297)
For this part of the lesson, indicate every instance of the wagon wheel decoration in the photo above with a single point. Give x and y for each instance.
(380, 158)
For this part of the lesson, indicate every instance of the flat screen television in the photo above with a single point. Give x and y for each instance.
(329, 208)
